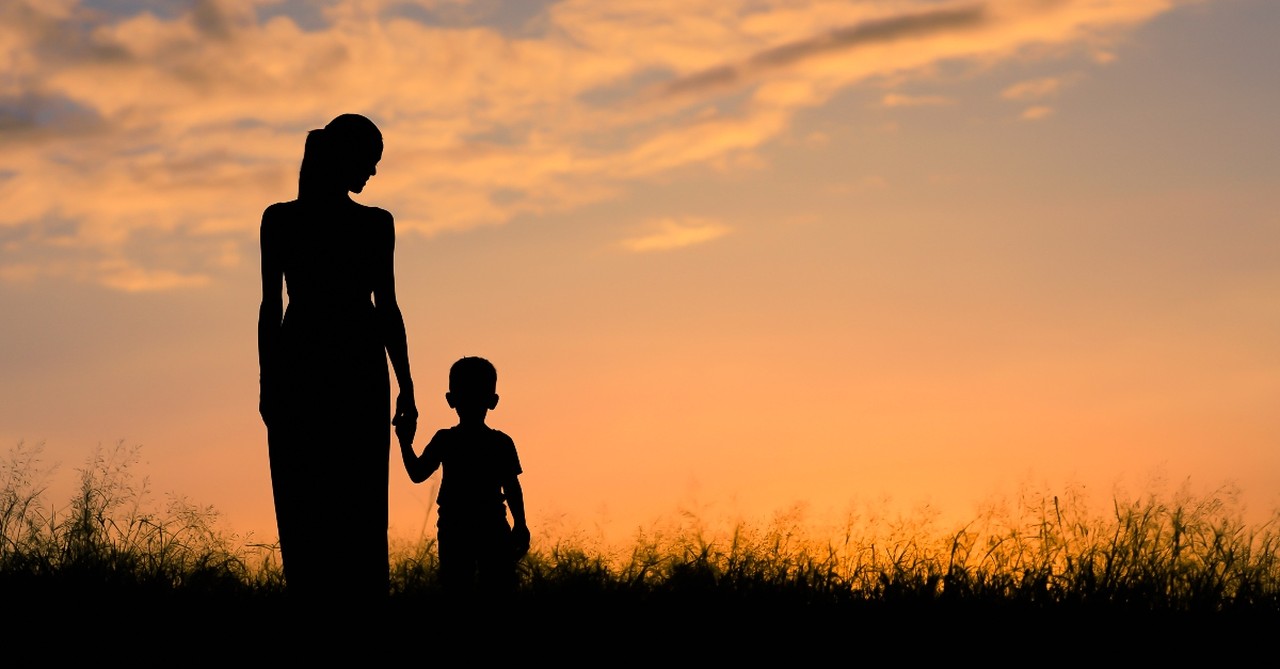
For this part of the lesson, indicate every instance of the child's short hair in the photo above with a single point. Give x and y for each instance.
(473, 374)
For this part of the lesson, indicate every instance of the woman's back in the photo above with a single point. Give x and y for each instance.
(330, 253)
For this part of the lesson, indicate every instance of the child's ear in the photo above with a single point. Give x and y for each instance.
(448, 397)
(493, 402)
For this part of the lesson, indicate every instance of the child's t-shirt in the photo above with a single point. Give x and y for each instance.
(475, 462)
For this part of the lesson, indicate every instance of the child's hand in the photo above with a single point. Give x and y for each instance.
(520, 541)
(406, 428)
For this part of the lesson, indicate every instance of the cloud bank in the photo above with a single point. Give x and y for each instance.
(138, 150)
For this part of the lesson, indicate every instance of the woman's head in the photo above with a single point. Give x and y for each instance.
(340, 157)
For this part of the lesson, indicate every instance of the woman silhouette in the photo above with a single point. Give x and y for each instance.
(325, 389)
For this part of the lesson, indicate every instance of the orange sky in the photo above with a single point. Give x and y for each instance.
(727, 256)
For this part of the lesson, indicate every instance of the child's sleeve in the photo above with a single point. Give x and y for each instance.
(513, 459)
(514, 494)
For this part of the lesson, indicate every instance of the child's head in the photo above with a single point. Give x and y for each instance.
(473, 384)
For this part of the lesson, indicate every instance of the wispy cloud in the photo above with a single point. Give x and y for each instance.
(672, 233)
(899, 100)
(909, 25)
(1036, 113)
(1033, 89)
(123, 276)
(124, 133)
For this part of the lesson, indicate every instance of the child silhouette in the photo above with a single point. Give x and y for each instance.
(477, 547)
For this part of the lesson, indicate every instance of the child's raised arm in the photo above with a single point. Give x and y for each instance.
(421, 468)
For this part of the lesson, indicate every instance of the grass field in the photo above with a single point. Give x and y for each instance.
(1152, 581)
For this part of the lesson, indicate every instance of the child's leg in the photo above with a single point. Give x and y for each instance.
(497, 564)
(456, 546)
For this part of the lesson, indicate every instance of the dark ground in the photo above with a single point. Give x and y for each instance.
(171, 631)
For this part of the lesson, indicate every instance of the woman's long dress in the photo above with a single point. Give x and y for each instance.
(331, 446)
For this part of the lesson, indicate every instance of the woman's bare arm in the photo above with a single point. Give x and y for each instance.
(270, 313)
(391, 321)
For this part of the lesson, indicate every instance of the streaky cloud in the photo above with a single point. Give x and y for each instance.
(899, 100)
(906, 26)
(128, 277)
(672, 233)
(1036, 113)
(1033, 89)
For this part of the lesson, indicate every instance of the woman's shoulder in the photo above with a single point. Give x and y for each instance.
(375, 221)
(377, 214)
(279, 210)
(275, 217)
(282, 207)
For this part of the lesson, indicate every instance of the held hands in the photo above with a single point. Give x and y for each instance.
(406, 418)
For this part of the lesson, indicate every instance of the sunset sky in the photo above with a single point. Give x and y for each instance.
(728, 255)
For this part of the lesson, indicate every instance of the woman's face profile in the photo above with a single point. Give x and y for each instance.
(362, 169)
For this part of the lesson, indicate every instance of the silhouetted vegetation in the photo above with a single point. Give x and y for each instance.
(1174, 579)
